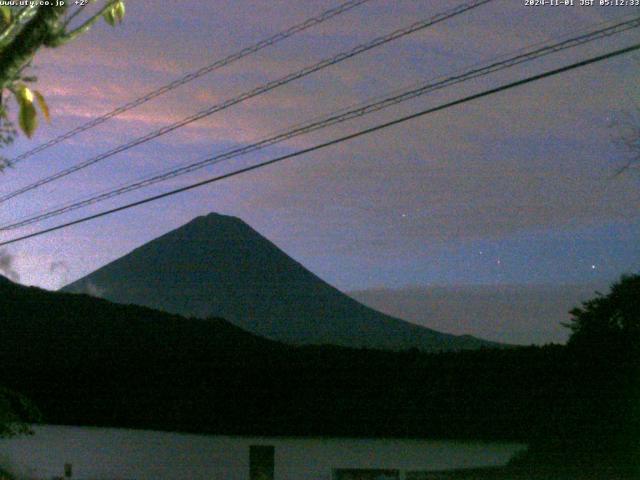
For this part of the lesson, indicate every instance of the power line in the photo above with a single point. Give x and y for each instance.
(420, 25)
(335, 119)
(320, 146)
(310, 22)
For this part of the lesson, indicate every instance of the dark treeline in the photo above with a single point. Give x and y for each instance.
(85, 361)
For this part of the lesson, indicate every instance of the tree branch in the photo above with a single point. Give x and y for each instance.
(77, 12)
(22, 14)
(75, 33)
(36, 33)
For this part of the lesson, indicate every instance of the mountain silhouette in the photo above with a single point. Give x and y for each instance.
(217, 265)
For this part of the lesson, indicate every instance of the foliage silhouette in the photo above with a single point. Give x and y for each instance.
(609, 324)
(16, 414)
(599, 423)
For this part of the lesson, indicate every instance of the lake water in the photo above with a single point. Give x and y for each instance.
(102, 453)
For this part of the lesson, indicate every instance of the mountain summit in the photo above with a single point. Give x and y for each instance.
(217, 265)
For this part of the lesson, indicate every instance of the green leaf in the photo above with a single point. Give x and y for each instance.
(109, 17)
(28, 118)
(5, 13)
(24, 94)
(43, 105)
(115, 14)
(119, 11)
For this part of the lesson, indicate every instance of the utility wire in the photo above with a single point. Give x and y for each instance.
(320, 146)
(334, 119)
(253, 93)
(326, 15)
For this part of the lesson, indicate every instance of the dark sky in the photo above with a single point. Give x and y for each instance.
(516, 188)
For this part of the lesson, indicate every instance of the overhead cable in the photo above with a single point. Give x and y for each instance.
(336, 141)
(395, 99)
(420, 25)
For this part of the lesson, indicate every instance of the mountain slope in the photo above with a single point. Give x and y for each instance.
(76, 328)
(219, 266)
